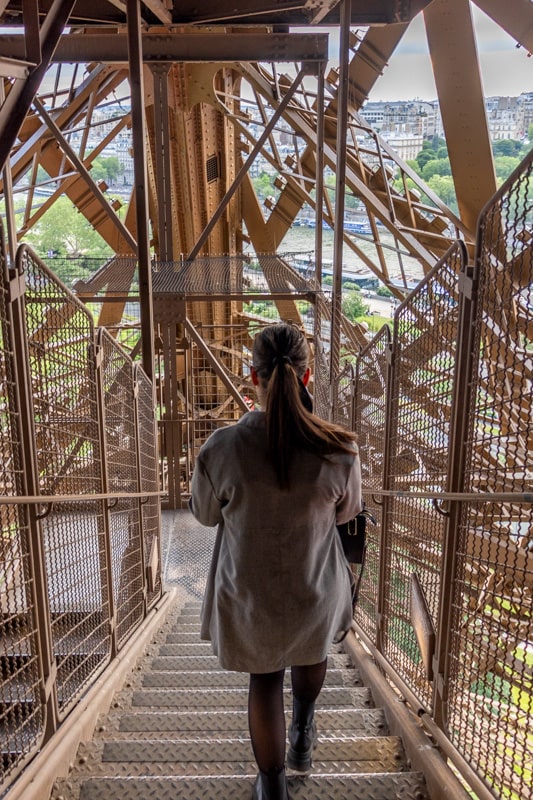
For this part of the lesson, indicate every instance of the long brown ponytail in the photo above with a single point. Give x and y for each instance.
(280, 358)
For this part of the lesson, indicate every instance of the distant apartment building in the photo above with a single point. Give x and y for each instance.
(401, 120)
(507, 117)
(503, 117)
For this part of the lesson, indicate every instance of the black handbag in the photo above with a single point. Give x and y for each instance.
(353, 536)
(353, 540)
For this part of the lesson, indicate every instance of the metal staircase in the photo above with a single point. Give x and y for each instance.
(178, 728)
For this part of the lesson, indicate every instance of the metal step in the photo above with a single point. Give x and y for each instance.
(179, 728)
(395, 786)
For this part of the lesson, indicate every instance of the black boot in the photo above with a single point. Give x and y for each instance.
(271, 785)
(302, 736)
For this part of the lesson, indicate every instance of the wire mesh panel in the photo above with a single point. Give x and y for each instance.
(230, 275)
(369, 421)
(490, 689)
(149, 482)
(424, 354)
(122, 477)
(22, 715)
(60, 340)
(335, 401)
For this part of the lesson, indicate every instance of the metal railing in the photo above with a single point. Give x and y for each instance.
(445, 422)
(79, 548)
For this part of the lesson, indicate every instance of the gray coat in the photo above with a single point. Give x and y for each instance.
(278, 590)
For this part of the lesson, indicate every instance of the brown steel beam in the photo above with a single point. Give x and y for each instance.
(296, 12)
(301, 124)
(84, 172)
(246, 166)
(318, 9)
(516, 18)
(340, 193)
(162, 162)
(22, 92)
(112, 48)
(160, 10)
(141, 183)
(457, 77)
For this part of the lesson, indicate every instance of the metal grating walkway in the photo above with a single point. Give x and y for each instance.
(178, 727)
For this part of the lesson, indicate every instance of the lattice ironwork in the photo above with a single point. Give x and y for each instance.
(60, 340)
(370, 402)
(22, 716)
(423, 359)
(490, 691)
(118, 397)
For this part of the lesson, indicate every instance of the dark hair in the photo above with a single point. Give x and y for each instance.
(281, 358)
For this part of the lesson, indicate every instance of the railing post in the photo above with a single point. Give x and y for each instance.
(139, 489)
(462, 382)
(385, 508)
(15, 297)
(108, 556)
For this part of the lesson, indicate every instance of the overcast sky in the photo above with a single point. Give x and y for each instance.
(506, 70)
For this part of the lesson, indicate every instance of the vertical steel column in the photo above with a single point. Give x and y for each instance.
(108, 550)
(319, 192)
(162, 161)
(340, 187)
(390, 412)
(141, 182)
(247, 164)
(319, 172)
(462, 396)
(8, 197)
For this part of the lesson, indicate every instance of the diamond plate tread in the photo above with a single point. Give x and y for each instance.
(385, 751)
(397, 786)
(211, 662)
(183, 638)
(226, 680)
(232, 698)
(370, 721)
(198, 649)
(185, 627)
(191, 633)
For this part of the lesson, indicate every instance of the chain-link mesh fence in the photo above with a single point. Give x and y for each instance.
(491, 651)
(59, 335)
(424, 354)
(71, 551)
(120, 458)
(22, 716)
(370, 407)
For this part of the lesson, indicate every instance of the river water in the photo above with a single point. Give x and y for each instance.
(302, 240)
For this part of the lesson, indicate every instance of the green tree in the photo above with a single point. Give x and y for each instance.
(424, 156)
(66, 232)
(507, 147)
(436, 166)
(504, 165)
(353, 305)
(106, 169)
(443, 186)
(263, 185)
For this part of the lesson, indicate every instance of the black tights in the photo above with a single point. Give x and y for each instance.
(266, 717)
